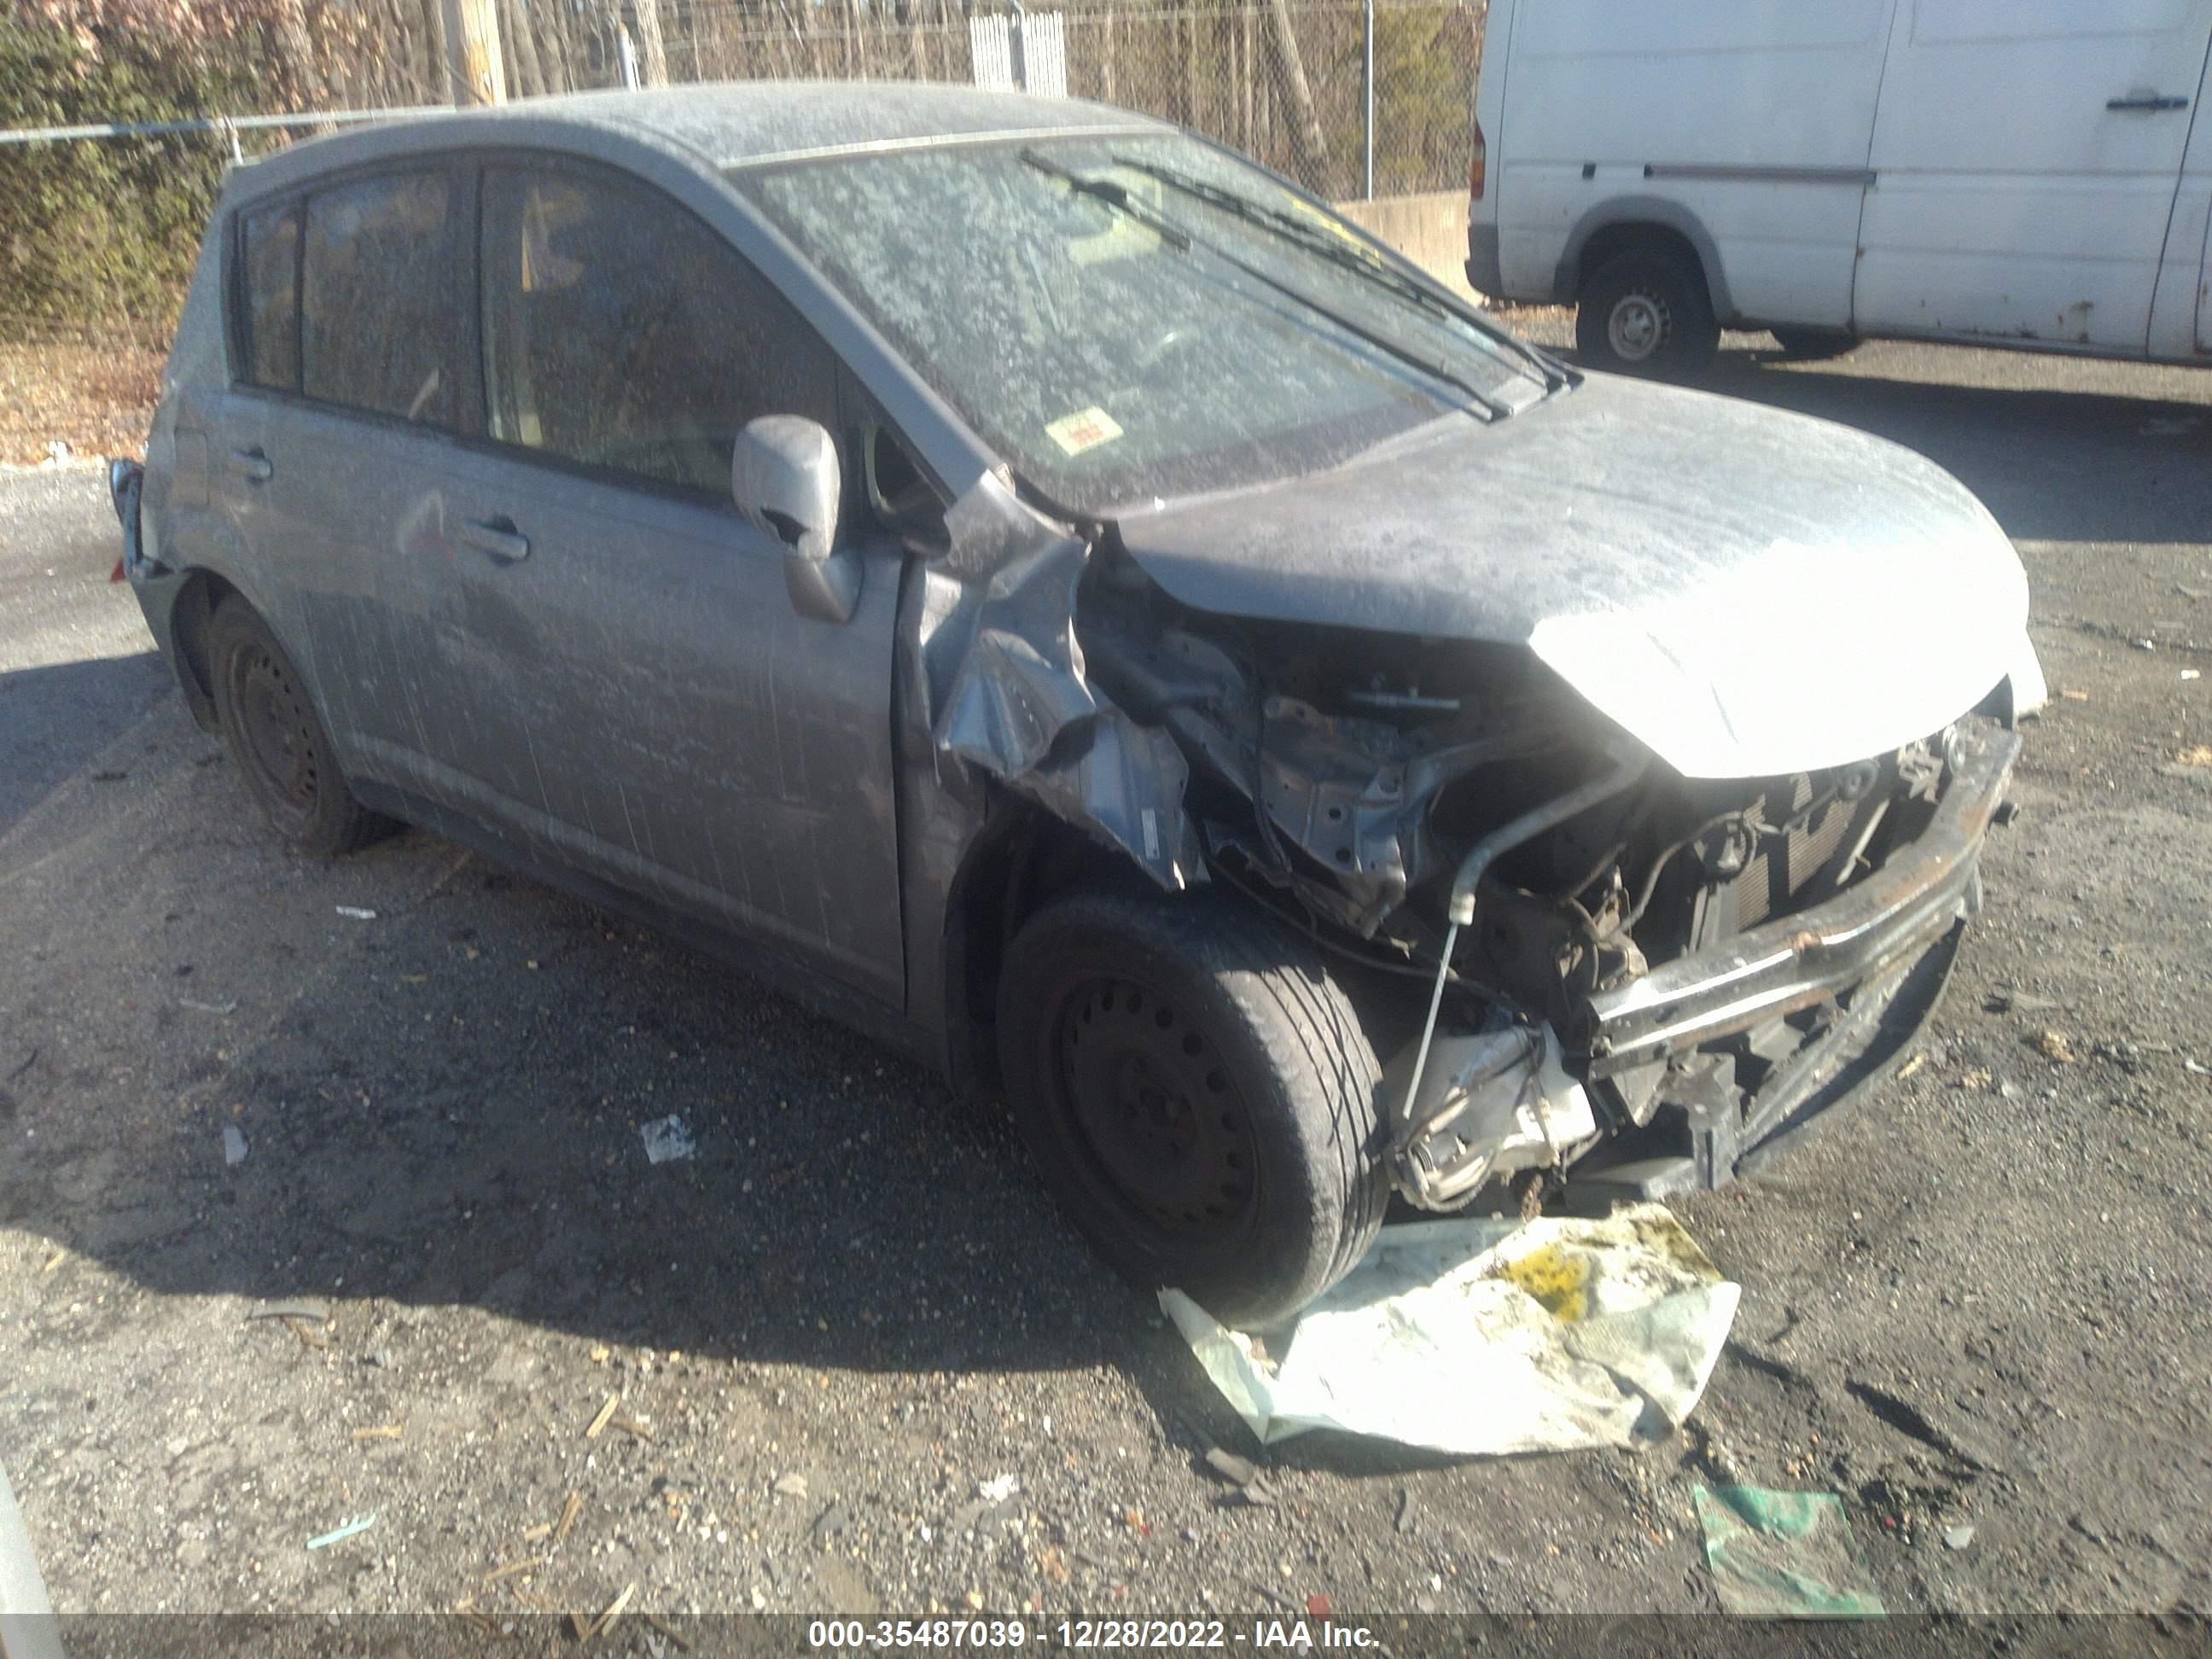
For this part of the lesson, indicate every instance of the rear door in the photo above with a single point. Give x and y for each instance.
(350, 388)
(2202, 345)
(2025, 155)
(2181, 316)
(646, 699)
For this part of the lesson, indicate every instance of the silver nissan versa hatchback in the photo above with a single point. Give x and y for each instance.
(1057, 596)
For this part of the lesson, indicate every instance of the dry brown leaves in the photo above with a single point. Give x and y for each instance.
(98, 399)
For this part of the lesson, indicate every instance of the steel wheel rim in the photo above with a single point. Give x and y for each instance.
(1154, 1112)
(278, 737)
(1637, 327)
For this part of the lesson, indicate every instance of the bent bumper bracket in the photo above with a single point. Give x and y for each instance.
(1797, 961)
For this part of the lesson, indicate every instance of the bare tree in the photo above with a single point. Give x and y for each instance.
(1309, 144)
(529, 73)
(651, 54)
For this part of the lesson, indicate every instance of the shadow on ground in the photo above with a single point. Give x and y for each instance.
(443, 1106)
(58, 717)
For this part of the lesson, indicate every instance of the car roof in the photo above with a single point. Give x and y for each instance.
(731, 124)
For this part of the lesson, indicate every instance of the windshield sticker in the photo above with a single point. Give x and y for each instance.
(1086, 430)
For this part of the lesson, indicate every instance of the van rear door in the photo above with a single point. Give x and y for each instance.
(2181, 315)
(2026, 154)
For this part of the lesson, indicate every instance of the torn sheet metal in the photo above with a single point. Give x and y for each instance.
(1352, 793)
(1008, 693)
(1484, 1337)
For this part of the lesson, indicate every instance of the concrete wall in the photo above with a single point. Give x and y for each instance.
(1428, 229)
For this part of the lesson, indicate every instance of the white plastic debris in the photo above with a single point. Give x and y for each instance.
(666, 1140)
(1483, 1337)
(353, 1529)
(999, 1488)
(356, 913)
(234, 1144)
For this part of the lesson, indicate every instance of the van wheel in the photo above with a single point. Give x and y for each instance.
(1646, 311)
(1812, 345)
(270, 723)
(1198, 1094)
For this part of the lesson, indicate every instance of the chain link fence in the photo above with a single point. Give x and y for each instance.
(98, 232)
(1285, 83)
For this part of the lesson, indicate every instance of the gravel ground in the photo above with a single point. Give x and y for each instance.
(1979, 1301)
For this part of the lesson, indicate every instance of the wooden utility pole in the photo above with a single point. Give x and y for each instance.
(473, 60)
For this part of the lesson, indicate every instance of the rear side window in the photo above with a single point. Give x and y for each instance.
(379, 316)
(622, 333)
(270, 253)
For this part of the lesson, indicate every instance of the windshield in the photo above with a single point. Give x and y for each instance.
(1103, 313)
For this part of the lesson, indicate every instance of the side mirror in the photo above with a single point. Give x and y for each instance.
(784, 478)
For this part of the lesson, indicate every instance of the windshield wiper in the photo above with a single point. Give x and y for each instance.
(1338, 252)
(1182, 240)
(1114, 196)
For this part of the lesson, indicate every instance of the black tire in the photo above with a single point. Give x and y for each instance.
(1200, 1096)
(1813, 345)
(1646, 311)
(274, 733)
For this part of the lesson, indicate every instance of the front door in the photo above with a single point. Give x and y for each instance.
(659, 713)
(2025, 158)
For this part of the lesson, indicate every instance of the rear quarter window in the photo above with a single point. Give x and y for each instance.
(269, 270)
(380, 301)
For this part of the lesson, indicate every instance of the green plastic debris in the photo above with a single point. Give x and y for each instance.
(1784, 1554)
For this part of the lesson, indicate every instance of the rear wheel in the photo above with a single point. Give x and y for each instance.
(1200, 1095)
(1813, 345)
(270, 723)
(1646, 311)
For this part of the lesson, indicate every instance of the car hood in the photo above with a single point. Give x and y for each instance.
(1747, 593)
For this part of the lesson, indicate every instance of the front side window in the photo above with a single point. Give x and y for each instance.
(621, 333)
(378, 288)
(270, 251)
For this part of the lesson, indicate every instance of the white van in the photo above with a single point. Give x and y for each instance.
(2026, 172)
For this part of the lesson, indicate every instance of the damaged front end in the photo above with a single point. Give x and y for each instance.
(1580, 958)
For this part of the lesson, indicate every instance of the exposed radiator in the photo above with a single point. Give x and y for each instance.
(1778, 874)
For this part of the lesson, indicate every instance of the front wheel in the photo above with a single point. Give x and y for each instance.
(1646, 311)
(1198, 1094)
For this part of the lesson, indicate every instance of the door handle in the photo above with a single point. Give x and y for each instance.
(497, 536)
(251, 465)
(2149, 102)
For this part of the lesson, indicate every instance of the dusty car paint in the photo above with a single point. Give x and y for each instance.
(1755, 599)
(1747, 592)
